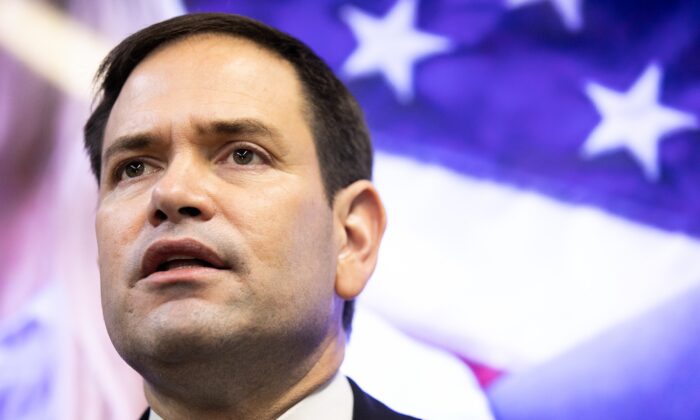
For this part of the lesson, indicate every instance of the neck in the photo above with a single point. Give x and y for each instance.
(261, 386)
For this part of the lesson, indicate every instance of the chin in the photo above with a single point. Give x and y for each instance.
(179, 331)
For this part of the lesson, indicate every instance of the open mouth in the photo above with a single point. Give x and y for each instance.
(179, 263)
(170, 255)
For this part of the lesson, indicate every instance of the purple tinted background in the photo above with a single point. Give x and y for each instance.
(644, 369)
(508, 104)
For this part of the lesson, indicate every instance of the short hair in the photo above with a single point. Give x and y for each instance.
(340, 134)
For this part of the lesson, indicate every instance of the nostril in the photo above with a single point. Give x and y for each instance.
(160, 215)
(190, 211)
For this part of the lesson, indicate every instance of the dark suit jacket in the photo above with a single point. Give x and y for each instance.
(365, 407)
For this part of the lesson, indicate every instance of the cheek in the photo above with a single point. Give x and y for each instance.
(309, 277)
(289, 232)
(116, 226)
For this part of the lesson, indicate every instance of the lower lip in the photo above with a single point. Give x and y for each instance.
(180, 275)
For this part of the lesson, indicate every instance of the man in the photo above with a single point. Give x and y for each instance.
(236, 221)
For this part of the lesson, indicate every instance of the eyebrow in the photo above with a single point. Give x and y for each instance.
(243, 126)
(127, 143)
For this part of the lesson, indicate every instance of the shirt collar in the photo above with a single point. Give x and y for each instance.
(333, 400)
(334, 397)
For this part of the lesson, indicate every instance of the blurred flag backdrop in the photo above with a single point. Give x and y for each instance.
(540, 163)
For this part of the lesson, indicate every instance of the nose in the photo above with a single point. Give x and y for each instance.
(180, 194)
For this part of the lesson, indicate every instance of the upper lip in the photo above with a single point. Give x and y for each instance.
(165, 250)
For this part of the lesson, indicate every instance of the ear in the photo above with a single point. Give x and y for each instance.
(360, 222)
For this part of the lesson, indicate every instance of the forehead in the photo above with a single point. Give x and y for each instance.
(208, 77)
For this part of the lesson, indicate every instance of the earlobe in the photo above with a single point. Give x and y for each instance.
(361, 216)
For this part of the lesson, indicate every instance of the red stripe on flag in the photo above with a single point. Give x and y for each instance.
(486, 375)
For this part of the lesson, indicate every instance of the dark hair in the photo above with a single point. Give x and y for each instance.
(343, 146)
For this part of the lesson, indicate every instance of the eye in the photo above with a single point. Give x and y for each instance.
(243, 156)
(132, 169)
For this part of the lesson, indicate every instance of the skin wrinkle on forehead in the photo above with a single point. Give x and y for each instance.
(213, 49)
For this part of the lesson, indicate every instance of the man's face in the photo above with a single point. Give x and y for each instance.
(212, 223)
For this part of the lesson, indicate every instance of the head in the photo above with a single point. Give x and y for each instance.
(341, 138)
(235, 200)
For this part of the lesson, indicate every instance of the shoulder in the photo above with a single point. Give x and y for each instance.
(367, 407)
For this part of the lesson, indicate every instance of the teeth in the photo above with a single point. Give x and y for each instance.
(179, 257)
(182, 262)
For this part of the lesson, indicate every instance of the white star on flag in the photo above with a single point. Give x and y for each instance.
(569, 10)
(634, 120)
(390, 45)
